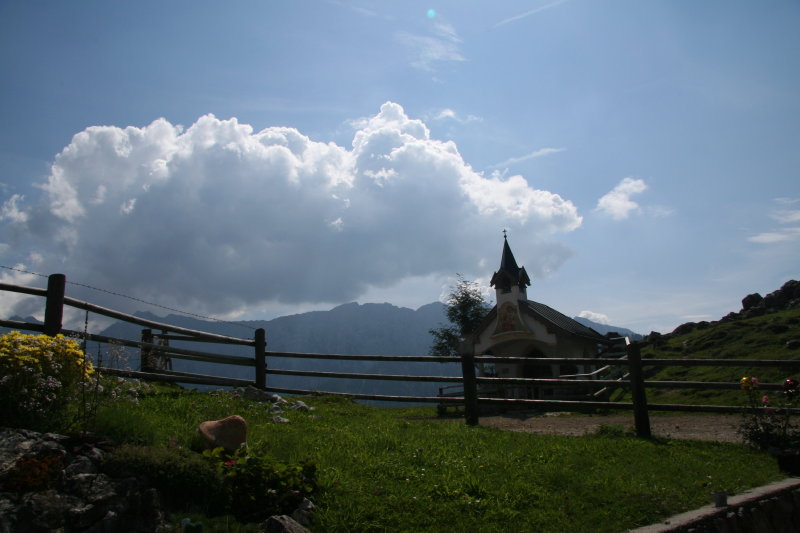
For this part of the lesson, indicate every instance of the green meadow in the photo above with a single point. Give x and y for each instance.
(402, 469)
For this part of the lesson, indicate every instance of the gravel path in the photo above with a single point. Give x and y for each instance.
(720, 428)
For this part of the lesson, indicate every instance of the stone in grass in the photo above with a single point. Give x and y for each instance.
(258, 395)
(280, 420)
(282, 524)
(229, 433)
(302, 515)
(300, 406)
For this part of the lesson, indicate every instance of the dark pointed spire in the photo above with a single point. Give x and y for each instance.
(509, 274)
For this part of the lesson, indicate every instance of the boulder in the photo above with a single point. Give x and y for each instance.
(751, 300)
(229, 433)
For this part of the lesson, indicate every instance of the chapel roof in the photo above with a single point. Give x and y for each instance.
(509, 273)
(560, 320)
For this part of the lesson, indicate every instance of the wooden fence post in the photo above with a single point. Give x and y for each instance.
(54, 307)
(261, 358)
(146, 363)
(638, 394)
(470, 384)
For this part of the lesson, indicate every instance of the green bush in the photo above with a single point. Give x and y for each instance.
(184, 478)
(249, 487)
(42, 381)
(260, 486)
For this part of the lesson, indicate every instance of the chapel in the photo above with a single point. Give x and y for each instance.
(519, 327)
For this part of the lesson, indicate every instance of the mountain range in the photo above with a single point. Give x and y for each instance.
(357, 329)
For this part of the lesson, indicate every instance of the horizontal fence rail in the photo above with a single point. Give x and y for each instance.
(155, 347)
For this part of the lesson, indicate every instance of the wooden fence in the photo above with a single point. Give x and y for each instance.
(470, 399)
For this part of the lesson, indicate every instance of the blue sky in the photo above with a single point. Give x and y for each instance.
(257, 158)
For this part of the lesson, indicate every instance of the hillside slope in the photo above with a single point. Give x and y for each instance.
(758, 331)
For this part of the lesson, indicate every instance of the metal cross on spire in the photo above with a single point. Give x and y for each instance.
(505, 236)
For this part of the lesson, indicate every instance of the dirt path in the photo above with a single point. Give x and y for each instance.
(720, 428)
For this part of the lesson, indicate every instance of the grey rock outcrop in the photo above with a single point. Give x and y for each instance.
(787, 297)
(76, 496)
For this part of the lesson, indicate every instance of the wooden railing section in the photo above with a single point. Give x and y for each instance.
(469, 381)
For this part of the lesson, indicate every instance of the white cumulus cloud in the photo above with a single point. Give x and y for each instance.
(600, 318)
(222, 218)
(617, 203)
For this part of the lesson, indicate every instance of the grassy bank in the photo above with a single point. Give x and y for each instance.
(401, 469)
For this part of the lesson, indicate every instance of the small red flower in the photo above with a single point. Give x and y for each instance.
(765, 399)
(229, 463)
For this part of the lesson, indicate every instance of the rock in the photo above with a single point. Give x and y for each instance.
(276, 409)
(300, 406)
(258, 395)
(282, 524)
(754, 312)
(793, 344)
(684, 328)
(302, 515)
(229, 433)
(280, 420)
(783, 298)
(81, 465)
(751, 300)
(82, 499)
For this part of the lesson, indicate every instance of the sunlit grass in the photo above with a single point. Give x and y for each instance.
(401, 469)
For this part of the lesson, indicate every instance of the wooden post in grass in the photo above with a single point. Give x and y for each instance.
(261, 358)
(146, 355)
(470, 384)
(638, 395)
(54, 306)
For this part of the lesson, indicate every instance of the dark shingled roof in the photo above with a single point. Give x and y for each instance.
(560, 320)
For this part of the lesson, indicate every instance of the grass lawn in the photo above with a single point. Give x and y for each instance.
(400, 469)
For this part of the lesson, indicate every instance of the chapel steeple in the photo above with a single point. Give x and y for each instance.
(510, 278)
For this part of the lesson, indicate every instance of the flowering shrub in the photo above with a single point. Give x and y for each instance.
(34, 473)
(766, 425)
(41, 378)
(259, 486)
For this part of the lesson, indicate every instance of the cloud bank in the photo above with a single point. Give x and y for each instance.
(220, 218)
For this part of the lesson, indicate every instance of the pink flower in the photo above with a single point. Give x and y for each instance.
(754, 381)
(765, 399)
(229, 463)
